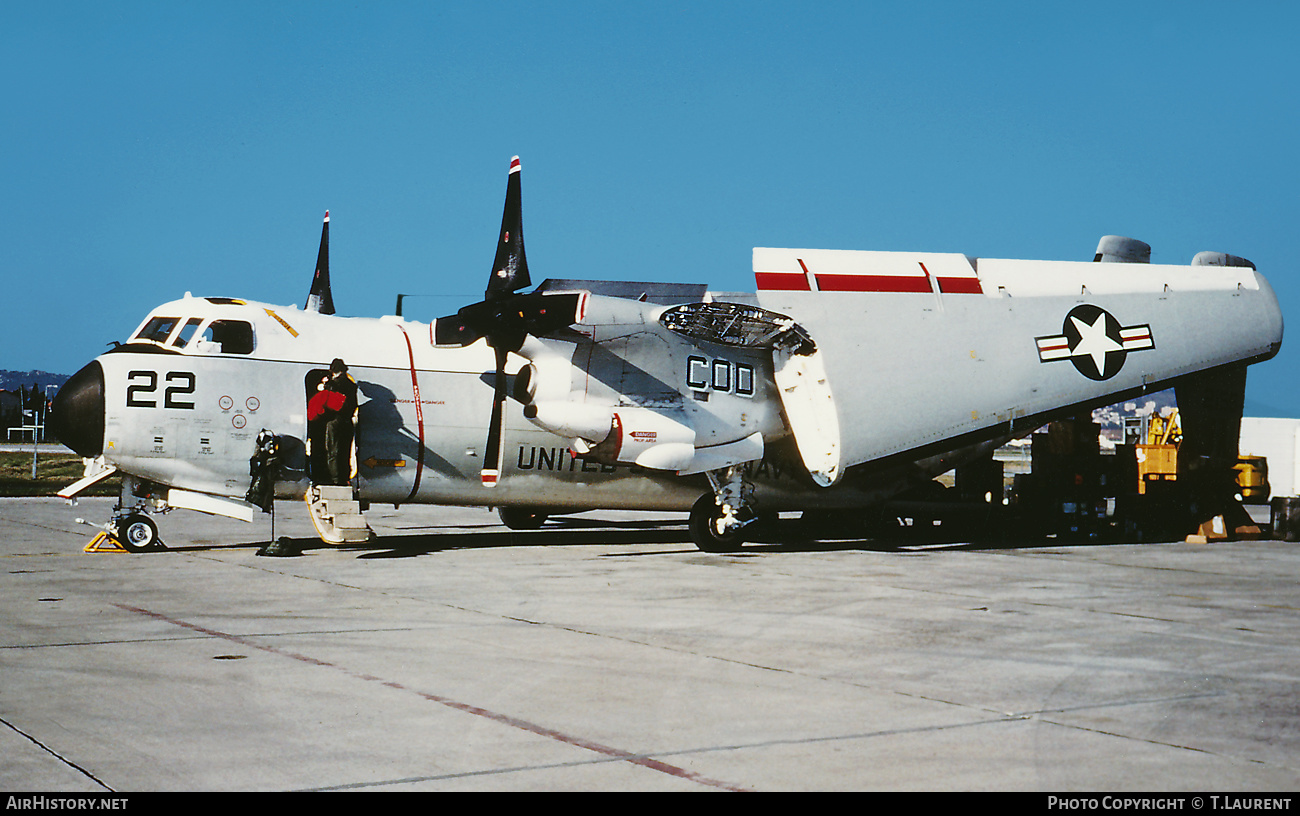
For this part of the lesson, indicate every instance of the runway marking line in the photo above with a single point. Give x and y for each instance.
(503, 719)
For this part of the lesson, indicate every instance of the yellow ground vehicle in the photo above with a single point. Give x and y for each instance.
(1157, 457)
(1157, 461)
(1252, 479)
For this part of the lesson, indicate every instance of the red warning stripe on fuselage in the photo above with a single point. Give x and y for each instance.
(799, 282)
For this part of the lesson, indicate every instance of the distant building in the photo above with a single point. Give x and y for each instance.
(1278, 440)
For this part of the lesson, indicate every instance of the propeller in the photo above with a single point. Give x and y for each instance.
(504, 318)
(320, 299)
(510, 266)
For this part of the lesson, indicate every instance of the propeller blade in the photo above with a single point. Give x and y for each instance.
(505, 321)
(505, 318)
(544, 312)
(510, 267)
(494, 450)
(460, 329)
(320, 299)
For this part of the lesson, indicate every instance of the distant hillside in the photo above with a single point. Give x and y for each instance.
(10, 380)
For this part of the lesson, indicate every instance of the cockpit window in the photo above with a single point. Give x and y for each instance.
(234, 336)
(158, 329)
(183, 336)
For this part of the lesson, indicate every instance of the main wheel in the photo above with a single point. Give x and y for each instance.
(521, 518)
(137, 533)
(704, 528)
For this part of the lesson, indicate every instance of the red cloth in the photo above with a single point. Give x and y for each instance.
(323, 401)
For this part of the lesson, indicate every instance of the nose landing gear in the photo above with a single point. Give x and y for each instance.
(130, 525)
(136, 532)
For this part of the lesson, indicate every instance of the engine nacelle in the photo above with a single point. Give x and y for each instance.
(574, 420)
(651, 439)
(627, 435)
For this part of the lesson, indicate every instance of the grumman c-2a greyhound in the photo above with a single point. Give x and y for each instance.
(845, 379)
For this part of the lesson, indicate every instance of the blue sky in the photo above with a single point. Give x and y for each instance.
(156, 148)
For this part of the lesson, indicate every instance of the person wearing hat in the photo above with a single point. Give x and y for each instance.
(334, 405)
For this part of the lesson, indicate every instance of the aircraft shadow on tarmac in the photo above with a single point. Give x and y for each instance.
(782, 537)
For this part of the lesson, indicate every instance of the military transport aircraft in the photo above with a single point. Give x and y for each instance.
(846, 378)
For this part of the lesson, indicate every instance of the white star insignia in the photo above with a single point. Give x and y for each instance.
(1094, 342)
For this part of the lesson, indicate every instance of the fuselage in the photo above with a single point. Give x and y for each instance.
(185, 398)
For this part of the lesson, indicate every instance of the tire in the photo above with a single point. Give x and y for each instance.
(522, 518)
(704, 532)
(137, 533)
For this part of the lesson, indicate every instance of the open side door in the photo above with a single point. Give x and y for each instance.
(317, 468)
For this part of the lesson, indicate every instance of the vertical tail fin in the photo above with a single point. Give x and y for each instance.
(321, 299)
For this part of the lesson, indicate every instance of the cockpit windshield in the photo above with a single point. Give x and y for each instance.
(158, 329)
(215, 336)
(183, 336)
(233, 336)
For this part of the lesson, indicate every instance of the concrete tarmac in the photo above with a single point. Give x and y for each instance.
(604, 652)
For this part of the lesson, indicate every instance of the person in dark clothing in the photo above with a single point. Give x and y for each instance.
(264, 468)
(334, 405)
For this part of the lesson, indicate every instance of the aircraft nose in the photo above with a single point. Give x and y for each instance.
(77, 414)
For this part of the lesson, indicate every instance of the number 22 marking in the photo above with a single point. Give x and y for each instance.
(181, 384)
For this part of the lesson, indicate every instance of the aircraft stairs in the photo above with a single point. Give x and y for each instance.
(337, 515)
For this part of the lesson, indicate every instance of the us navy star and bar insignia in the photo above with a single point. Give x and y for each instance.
(1094, 341)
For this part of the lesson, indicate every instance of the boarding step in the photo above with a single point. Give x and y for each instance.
(332, 492)
(337, 515)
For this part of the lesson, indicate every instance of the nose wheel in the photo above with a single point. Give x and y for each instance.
(137, 533)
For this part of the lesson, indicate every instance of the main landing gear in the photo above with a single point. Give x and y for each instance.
(523, 518)
(718, 519)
